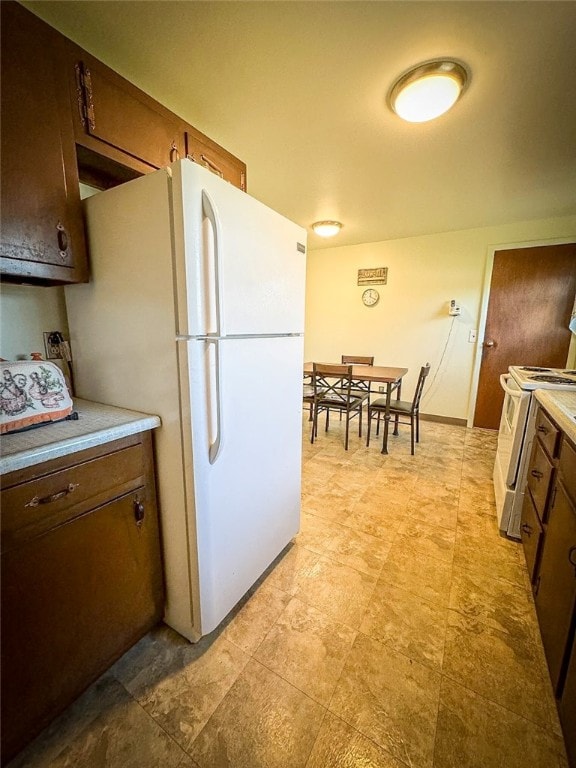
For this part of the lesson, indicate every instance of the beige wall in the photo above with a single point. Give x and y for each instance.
(410, 325)
(25, 313)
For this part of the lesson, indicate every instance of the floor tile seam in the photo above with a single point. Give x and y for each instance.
(545, 729)
(527, 639)
(364, 736)
(487, 574)
(426, 600)
(293, 685)
(328, 616)
(346, 565)
(491, 578)
(400, 652)
(159, 725)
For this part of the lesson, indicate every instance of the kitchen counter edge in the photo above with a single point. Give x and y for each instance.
(562, 408)
(97, 424)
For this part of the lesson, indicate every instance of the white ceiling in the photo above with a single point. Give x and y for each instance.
(297, 90)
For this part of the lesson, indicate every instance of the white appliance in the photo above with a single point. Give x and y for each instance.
(516, 435)
(195, 312)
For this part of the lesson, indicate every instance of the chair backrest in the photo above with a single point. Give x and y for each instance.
(357, 360)
(424, 371)
(331, 381)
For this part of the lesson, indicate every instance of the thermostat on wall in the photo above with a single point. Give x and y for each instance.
(454, 307)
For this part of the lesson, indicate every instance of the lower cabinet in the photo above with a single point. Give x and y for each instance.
(567, 707)
(549, 540)
(81, 578)
(556, 583)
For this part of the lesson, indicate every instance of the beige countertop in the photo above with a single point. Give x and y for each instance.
(561, 405)
(96, 424)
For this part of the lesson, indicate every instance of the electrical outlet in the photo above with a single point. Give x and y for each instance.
(52, 345)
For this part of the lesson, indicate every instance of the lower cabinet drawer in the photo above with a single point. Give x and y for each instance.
(531, 533)
(35, 506)
(73, 600)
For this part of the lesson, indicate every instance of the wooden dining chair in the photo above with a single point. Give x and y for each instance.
(400, 408)
(333, 391)
(360, 387)
(308, 394)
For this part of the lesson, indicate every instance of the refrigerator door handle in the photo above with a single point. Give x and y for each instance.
(214, 450)
(210, 214)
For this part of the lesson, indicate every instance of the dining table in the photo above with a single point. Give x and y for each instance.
(376, 374)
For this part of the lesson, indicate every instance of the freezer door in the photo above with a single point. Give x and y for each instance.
(245, 431)
(240, 265)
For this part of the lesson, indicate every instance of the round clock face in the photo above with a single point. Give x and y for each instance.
(370, 297)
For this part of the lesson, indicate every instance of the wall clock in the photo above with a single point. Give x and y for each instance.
(370, 297)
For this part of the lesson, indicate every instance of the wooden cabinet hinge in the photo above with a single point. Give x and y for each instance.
(84, 96)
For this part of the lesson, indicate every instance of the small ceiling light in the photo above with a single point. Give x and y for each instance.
(428, 90)
(327, 228)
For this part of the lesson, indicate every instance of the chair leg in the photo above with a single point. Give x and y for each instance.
(417, 415)
(368, 428)
(396, 419)
(327, 419)
(347, 430)
(378, 425)
(360, 422)
(412, 434)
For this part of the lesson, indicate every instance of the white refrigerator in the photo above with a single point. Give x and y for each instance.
(195, 312)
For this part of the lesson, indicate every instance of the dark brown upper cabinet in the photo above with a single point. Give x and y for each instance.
(42, 239)
(209, 154)
(110, 112)
(114, 118)
(67, 117)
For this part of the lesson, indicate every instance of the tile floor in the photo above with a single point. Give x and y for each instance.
(396, 631)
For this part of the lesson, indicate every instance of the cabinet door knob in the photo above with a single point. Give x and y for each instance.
(139, 512)
(174, 154)
(572, 558)
(62, 237)
(538, 475)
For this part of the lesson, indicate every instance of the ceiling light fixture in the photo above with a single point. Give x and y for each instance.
(326, 228)
(428, 90)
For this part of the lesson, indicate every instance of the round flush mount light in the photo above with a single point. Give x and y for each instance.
(428, 90)
(327, 228)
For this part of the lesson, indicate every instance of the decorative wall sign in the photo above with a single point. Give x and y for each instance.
(376, 276)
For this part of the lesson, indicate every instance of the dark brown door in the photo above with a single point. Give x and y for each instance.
(531, 299)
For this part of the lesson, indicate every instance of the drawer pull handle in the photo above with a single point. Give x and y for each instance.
(538, 475)
(542, 429)
(139, 512)
(36, 501)
(213, 167)
(527, 529)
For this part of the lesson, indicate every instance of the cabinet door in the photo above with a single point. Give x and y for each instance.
(118, 114)
(531, 534)
(83, 593)
(207, 153)
(42, 231)
(556, 584)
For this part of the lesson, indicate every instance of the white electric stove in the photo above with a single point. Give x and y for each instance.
(516, 434)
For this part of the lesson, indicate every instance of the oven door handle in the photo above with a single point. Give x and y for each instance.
(517, 393)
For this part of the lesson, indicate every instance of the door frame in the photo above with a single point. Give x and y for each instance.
(485, 300)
